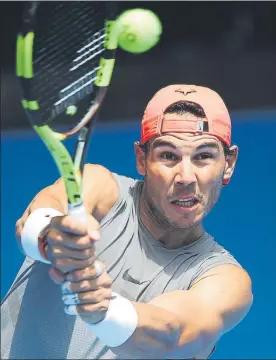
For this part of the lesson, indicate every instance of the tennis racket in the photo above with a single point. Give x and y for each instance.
(65, 57)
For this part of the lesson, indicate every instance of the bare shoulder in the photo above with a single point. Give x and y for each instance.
(100, 190)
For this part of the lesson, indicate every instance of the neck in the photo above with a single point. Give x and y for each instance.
(162, 231)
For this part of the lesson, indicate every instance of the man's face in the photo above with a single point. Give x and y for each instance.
(183, 177)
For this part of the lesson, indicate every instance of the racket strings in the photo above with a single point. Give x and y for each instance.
(95, 44)
(69, 42)
(94, 71)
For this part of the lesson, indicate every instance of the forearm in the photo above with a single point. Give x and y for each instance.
(160, 334)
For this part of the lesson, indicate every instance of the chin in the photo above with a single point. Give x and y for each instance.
(183, 218)
(187, 222)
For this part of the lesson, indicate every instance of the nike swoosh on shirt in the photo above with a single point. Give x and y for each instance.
(128, 277)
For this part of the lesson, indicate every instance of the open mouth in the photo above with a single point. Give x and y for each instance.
(186, 203)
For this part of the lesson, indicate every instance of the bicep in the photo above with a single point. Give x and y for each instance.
(220, 299)
(213, 306)
(228, 290)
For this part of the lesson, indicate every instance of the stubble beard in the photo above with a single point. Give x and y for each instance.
(156, 215)
(159, 218)
(213, 197)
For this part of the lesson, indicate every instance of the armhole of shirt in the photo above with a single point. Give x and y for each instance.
(211, 261)
(125, 184)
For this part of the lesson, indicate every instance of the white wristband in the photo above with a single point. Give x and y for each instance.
(119, 323)
(35, 223)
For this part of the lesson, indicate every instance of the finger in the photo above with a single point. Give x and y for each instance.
(96, 310)
(69, 224)
(89, 297)
(93, 227)
(72, 225)
(61, 252)
(57, 276)
(70, 299)
(66, 288)
(72, 241)
(86, 273)
(66, 265)
(103, 281)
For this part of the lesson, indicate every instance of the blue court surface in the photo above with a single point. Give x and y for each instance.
(243, 221)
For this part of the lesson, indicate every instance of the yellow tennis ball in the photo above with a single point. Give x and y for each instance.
(139, 30)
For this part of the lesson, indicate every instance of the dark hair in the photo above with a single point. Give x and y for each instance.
(186, 107)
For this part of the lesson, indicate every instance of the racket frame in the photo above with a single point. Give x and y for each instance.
(69, 168)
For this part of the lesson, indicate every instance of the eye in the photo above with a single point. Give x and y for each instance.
(167, 156)
(204, 156)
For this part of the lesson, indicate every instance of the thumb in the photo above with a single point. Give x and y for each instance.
(93, 228)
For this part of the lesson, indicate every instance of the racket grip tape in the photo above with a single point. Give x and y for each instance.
(78, 212)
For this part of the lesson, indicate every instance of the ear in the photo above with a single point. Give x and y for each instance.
(231, 160)
(140, 158)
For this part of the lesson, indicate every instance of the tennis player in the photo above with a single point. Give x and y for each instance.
(140, 278)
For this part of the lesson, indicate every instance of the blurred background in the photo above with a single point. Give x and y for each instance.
(228, 46)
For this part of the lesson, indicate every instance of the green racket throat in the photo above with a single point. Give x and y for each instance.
(70, 175)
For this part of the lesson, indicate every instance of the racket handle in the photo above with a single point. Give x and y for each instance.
(78, 212)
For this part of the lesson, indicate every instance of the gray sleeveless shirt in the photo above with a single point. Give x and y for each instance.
(33, 323)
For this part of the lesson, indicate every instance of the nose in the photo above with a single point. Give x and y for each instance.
(185, 173)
